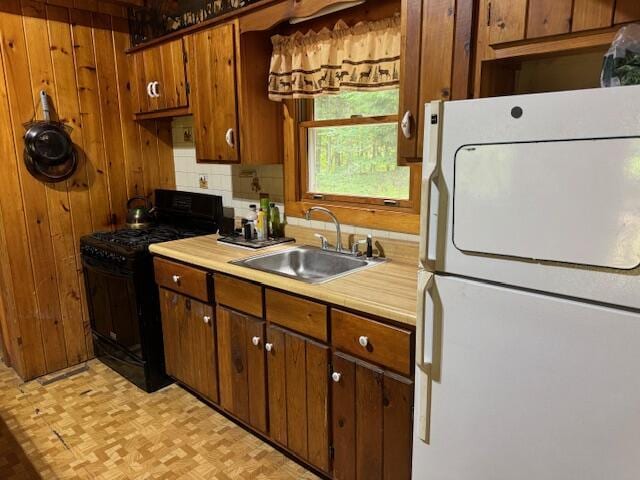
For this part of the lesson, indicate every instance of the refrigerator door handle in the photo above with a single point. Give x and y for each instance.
(425, 322)
(424, 351)
(430, 197)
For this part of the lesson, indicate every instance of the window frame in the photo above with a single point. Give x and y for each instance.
(307, 123)
(371, 213)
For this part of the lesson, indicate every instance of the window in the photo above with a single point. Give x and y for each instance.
(349, 150)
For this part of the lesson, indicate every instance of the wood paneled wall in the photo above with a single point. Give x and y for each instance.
(77, 56)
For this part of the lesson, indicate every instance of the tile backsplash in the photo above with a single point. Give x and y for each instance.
(240, 186)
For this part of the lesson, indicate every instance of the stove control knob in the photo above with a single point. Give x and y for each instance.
(176, 279)
(255, 341)
(206, 319)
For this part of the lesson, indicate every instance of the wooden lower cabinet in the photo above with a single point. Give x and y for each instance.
(241, 365)
(299, 395)
(372, 421)
(189, 342)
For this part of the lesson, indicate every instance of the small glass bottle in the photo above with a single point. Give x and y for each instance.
(274, 219)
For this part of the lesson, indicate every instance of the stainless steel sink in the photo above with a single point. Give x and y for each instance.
(308, 264)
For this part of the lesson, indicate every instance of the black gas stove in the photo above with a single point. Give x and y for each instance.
(121, 293)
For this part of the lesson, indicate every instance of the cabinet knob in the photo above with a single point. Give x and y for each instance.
(268, 347)
(335, 376)
(405, 124)
(256, 341)
(229, 138)
(155, 88)
(363, 341)
(176, 278)
(206, 319)
(149, 89)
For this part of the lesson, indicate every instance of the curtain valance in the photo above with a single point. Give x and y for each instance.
(364, 57)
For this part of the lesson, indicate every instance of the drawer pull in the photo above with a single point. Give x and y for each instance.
(268, 347)
(335, 376)
(206, 319)
(256, 341)
(363, 341)
(176, 279)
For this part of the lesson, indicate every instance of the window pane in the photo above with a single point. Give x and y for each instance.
(348, 104)
(357, 160)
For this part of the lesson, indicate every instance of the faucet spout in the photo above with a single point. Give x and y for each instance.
(336, 222)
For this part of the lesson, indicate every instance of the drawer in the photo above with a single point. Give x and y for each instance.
(181, 278)
(238, 294)
(383, 344)
(298, 314)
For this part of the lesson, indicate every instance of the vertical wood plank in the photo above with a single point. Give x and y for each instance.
(111, 127)
(91, 120)
(276, 370)
(398, 427)
(20, 297)
(318, 404)
(256, 375)
(239, 380)
(296, 374)
(71, 202)
(627, 11)
(126, 96)
(465, 21)
(549, 17)
(223, 324)
(369, 427)
(39, 199)
(507, 20)
(149, 146)
(343, 403)
(166, 166)
(590, 14)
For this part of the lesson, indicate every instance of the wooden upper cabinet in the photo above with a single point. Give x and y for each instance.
(506, 20)
(627, 11)
(435, 64)
(372, 422)
(212, 71)
(189, 343)
(234, 120)
(242, 367)
(591, 14)
(161, 78)
(549, 17)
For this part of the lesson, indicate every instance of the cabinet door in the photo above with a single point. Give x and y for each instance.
(372, 422)
(172, 86)
(152, 67)
(627, 11)
(242, 367)
(299, 395)
(506, 20)
(212, 73)
(189, 346)
(410, 104)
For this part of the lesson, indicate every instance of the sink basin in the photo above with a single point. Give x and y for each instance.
(308, 264)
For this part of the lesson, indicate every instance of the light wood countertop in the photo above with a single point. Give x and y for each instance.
(387, 290)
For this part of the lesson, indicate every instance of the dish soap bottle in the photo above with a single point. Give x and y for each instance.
(274, 220)
(261, 225)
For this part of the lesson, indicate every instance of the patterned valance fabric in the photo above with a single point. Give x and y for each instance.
(364, 57)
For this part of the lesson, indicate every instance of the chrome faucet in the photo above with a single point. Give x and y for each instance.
(307, 216)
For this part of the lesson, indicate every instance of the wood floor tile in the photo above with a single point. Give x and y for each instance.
(97, 425)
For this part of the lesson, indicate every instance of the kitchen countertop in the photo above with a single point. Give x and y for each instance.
(388, 290)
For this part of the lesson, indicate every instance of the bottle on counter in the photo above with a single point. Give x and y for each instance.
(264, 205)
(274, 221)
(252, 217)
(261, 225)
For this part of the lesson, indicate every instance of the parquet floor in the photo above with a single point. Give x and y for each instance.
(96, 425)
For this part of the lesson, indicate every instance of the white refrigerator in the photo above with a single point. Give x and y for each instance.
(528, 336)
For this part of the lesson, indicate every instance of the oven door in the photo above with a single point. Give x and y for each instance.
(111, 298)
